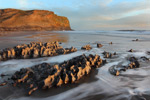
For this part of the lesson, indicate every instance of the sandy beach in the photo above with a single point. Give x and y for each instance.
(99, 84)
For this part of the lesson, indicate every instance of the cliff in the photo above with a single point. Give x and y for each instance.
(31, 20)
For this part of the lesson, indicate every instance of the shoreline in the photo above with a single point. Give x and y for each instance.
(105, 84)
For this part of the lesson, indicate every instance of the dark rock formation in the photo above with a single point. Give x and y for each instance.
(108, 54)
(3, 83)
(34, 50)
(116, 70)
(45, 76)
(99, 45)
(2, 75)
(110, 43)
(31, 20)
(148, 52)
(86, 47)
(144, 58)
(131, 50)
(136, 40)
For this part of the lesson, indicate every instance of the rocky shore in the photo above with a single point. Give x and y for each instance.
(34, 50)
(46, 75)
(116, 70)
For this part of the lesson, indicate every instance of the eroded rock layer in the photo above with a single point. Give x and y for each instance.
(45, 75)
(34, 50)
(116, 70)
(86, 47)
(31, 20)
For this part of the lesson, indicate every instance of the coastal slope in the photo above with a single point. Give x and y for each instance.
(31, 20)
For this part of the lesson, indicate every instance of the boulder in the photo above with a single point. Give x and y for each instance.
(110, 43)
(131, 50)
(108, 54)
(117, 69)
(136, 40)
(3, 83)
(144, 58)
(86, 47)
(99, 45)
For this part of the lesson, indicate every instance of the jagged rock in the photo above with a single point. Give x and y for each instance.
(144, 58)
(108, 55)
(34, 50)
(45, 75)
(36, 53)
(86, 47)
(110, 43)
(1, 57)
(136, 40)
(99, 45)
(131, 50)
(2, 75)
(116, 70)
(3, 83)
(148, 52)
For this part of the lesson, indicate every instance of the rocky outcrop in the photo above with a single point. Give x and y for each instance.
(116, 70)
(136, 40)
(45, 76)
(31, 20)
(3, 83)
(131, 50)
(108, 54)
(34, 50)
(99, 45)
(86, 47)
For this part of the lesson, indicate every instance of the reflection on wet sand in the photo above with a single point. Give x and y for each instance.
(12, 39)
(49, 37)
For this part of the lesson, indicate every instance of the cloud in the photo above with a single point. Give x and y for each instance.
(94, 15)
(140, 21)
(23, 4)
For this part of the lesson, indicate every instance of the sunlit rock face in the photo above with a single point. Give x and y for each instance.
(31, 20)
(34, 50)
(45, 75)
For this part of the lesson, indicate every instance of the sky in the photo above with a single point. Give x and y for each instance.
(93, 14)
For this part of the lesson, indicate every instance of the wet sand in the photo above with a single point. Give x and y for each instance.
(100, 84)
(11, 39)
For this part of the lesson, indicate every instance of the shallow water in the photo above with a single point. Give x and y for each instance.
(130, 85)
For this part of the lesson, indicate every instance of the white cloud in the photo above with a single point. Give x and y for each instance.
(104, 15)
(23, 3)
(98, 14)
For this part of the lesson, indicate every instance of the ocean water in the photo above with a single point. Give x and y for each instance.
(130, 85)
